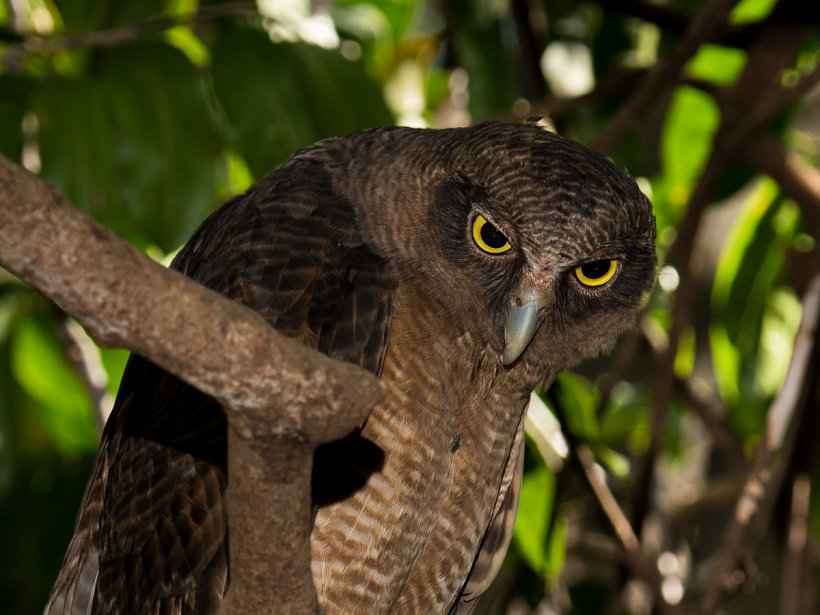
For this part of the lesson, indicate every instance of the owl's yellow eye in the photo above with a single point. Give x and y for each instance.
(489, 238)
(596, 273)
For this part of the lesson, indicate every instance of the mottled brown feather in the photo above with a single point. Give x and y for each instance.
(153, 510)
(497, 538)
(361, 248)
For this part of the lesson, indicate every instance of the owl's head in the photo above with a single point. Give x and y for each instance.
(539, 246)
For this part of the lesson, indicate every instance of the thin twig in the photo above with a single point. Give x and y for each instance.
(118, 36)
(637, 559)
(794, 557)
(722, 436)
(623, 530)
(805, 345)
(760, 490)
(84, 356)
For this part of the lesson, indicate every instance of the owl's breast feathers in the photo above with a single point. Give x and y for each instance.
(415, 528)
(360, 247)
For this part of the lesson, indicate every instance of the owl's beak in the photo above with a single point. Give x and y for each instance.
(525, 313)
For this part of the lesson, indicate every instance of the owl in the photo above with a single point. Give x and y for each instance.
(463, 267)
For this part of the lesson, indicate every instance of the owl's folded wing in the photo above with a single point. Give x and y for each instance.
(150, 536)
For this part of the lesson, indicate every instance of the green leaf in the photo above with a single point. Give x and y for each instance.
(626, 419)
(726, 359)
(396, 13)
(114, 360)
(579, 397)
(62, 405)
(236, 177)
(535, 511)
(14, 95)
(556, 549)
(685, 145)
(479, 40)
(298, 94)
(753, 319)
(733, 255)
(184, 39)
(719, 65)
(370, 28)
(614, 461)
(751, 10)
(781, 320)
(13, 300)
(135, 144)
(81, 15)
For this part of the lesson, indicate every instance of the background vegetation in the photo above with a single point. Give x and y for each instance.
(675, 475)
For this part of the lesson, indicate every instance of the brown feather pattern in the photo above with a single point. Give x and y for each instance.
(360, 247)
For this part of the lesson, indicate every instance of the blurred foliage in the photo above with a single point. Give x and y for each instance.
(148, 115)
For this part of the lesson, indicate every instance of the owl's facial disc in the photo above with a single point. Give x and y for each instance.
(525, 312)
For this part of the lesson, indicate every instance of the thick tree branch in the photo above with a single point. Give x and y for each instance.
(281, 398)
(125, 299)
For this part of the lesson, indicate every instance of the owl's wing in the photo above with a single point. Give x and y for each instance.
(499, 533)
(150, 536)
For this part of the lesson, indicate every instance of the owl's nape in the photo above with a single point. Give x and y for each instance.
(462, 267)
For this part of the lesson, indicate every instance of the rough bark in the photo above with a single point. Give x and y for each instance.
(281, 398)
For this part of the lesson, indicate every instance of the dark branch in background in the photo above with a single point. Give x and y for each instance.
(675, 21)
(723, 438)
(794, 599)
(765, 477)
(532, 77)
(670, 19)
(611, 85)
(13, 55)
(221, 347)
(797, 179)
(664, 75)
(745, 107)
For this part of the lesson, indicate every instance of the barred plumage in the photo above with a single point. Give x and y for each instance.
(360, 247)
